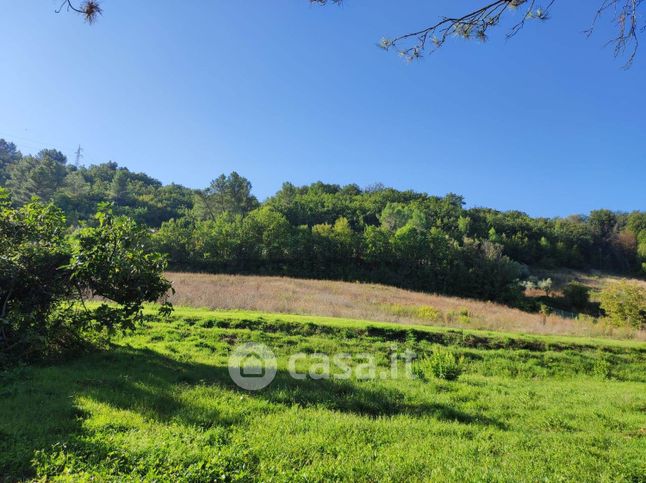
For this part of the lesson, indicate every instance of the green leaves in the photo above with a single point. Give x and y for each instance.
(44, 273)
(31, 279)
(442, 364)
(114, 261)
(625, 304)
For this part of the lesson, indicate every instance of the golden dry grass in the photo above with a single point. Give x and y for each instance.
(368, 302)
(594, 279)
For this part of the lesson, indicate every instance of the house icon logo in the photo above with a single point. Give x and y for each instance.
(252, 366)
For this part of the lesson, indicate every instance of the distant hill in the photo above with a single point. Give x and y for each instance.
(327, 231)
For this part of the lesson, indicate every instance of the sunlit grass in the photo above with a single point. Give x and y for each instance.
(160, 405)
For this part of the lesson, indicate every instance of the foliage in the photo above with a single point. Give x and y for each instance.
(576, 295)
(377, 234)
(442, 363)
(9, 155)
(545, 311)
(462, 316)
(422, 312)
(114, 261)
(474, 23)
(530, 283)
(32, 284)
(225, 194)
(625, 304)
(533, 283)
(601, 368)
(39, 176)
(44, 275)
(546, 286)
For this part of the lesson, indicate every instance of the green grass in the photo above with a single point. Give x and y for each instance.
(160, 405)
(447, 334)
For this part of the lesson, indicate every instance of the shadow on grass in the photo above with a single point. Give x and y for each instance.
(39, 408)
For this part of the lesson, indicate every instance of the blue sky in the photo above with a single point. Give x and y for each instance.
(548, 123)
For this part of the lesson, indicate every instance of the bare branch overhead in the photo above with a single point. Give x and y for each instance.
(475, 24)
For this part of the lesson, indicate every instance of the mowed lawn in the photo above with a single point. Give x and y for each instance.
(160, 405)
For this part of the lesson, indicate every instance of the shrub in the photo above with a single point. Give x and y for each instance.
(31, 284)
(44, 274)
(462, 316)
(576, 295)
(397, 309)
(427, 312)
(545, 311)
(115, 261)
(442, 364)
(545, 285)
(530, 284)
(624, 304)
(601, 369)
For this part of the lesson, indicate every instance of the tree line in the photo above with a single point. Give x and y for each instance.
(378, 234)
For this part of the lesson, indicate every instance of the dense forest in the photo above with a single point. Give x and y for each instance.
(377, 233)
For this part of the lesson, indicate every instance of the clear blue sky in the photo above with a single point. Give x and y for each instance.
(280, 90)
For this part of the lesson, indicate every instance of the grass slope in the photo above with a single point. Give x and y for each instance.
(370, 302)
(160, 405)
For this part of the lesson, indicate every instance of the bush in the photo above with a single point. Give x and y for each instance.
(545, 311)
(427, 312)
(115, 261)
(462, 316)
(31, 283)
(624, 304)
(576, 295)
(545, 285)
(424, 312)
(442, 364)
(45, 274)
(601, 369)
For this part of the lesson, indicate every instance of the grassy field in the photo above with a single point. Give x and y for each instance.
(594, 279)
(160, 405)
(374, 302)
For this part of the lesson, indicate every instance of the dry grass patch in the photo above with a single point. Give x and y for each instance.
(368, 302)
(594, 279)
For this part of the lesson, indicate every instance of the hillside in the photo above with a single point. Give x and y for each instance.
(376, 234)
(160, 405)
(237, 247)
(368, 302)
(595, 279)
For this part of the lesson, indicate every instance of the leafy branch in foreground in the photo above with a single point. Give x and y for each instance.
(46, 275)
(115, 261)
